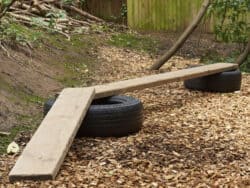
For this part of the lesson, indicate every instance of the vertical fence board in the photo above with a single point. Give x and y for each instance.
(152, 15)
(167, 15)
(171, 15)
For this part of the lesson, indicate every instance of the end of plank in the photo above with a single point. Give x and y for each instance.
(37, 177)
(42, 157)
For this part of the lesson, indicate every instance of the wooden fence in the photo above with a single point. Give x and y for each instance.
(106, 9)
(167, 15)
(151, 15)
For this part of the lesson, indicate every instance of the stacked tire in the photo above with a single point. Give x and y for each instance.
(224, 82)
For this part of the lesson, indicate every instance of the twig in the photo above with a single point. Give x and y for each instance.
(80, 22)
(4, 133)
(29, 8)
(20, 11)
(7, 8)
(28, 21)
(4, 49)
(24, 11)
(80, 12)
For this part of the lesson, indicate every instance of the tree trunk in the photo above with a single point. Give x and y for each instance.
(183, 37)
(240, 60)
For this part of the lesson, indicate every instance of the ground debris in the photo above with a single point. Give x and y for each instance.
(189, 138)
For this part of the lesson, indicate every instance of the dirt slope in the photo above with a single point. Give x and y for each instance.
(28, 78)
(20, 80)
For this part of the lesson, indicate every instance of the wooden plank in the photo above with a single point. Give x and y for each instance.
(155, 80)
(42, 157)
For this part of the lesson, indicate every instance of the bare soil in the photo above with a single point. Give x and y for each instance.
(198, 45)
(28, 77)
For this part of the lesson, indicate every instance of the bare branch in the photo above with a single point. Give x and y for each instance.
(183, 37)
(240, 60)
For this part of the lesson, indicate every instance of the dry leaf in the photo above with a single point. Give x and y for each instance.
(12, 148)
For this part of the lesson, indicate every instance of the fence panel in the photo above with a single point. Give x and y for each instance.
(167, 15)
(106, 9)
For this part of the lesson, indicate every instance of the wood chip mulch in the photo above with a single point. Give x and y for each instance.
(189, 138)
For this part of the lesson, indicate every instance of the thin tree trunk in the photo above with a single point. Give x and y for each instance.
(183, 37)
(240, 60)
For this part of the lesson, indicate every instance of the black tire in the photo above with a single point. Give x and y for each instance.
(47, 105)
(228, 81)
(114, 116)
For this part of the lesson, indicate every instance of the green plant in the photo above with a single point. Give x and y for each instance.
(245, 67)
(215, 57)
(4, 3)
(5, 6)
(54, 15)
(29, 123)
(124, 11)
(232, 23)
(133, 41)
(15, 32)
(83, 2)
(70, 2)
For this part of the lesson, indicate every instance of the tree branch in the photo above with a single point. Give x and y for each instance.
(183, 37)
(240, 60)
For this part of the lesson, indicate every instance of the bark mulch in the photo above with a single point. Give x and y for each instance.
(189, 138)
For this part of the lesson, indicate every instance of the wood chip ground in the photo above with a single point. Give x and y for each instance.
(189, 138)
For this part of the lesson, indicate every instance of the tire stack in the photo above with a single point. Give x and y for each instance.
(224, 82)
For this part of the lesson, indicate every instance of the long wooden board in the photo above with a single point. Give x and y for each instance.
(47, 149)
(159, 79)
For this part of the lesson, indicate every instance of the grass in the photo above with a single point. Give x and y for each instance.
(27, 124)
(134, 41)
(77, 61)
(11, 31)
(19, 94)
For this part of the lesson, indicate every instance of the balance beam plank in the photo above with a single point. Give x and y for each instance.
(159, 79)
(47, 149)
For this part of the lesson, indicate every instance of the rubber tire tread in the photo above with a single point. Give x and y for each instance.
(116, 116)
(225, 82)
